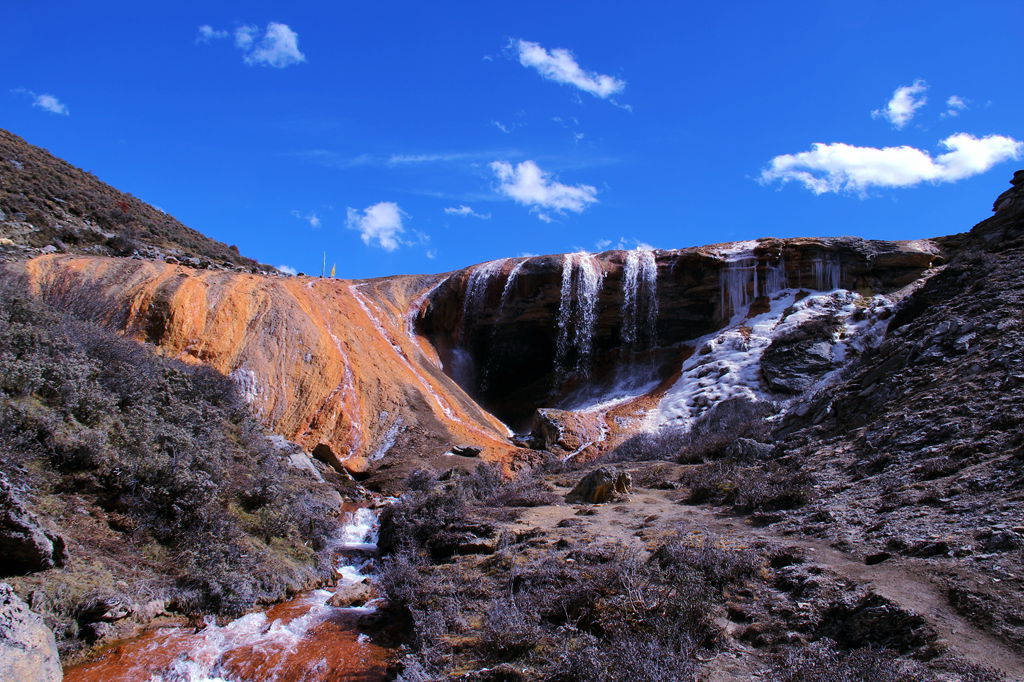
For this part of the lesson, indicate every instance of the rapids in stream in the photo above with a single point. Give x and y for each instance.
(303, 638)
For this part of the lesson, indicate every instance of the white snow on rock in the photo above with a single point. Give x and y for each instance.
(727, 364)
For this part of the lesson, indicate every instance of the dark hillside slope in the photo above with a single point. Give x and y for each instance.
(46, 203)
(919, 452)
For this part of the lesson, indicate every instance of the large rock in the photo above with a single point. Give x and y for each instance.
(24, 545)
(600, 485)
(794, 361)
(353, 594)
(28, 650)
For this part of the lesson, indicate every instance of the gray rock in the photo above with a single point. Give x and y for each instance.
(794, 361)
(25, 546)
(600, 485)
(28, 650)
(748, 449)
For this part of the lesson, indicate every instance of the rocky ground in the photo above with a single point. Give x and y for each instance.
(791, 594)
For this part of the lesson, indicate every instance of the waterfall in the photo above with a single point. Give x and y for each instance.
(826, 272)
(639, 297)
(509, 283)
(476, 288)
(734, 280)
(740, 282)
(577, 308)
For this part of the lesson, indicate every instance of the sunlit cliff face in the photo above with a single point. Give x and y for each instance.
(375, 374)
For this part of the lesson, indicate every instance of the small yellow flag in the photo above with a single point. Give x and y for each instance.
(333, 266)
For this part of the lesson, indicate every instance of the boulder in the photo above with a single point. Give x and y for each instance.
(28, 650)
(353, 594)
(603, 484)
(794, 361)
(25, 546)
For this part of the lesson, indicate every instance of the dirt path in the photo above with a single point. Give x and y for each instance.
(647, 514)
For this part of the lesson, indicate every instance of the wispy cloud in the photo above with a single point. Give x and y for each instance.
(905, 102)
(378, 225)
(466, 212)
(44, 101)
(559, 65)
(277, 46)
(840, 167)
(954, 105)
(287, 269)
(312, 218)
(207, 33)
(530, 186)
(335, 159)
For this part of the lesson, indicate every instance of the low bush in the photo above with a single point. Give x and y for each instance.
(91, 419)
(765, 486)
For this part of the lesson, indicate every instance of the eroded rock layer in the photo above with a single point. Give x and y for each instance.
(330, 364)
(376, 374)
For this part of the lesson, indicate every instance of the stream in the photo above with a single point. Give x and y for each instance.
(303, 638)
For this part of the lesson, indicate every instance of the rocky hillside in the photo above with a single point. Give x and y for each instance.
(919, 450)
(48, 205)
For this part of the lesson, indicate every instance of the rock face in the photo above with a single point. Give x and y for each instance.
(794, 361)
(358, 372)
(601, 485)
(330, 364)
(24, 545)
(519, 334)
(28, 650)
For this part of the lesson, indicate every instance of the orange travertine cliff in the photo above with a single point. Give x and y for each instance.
(331, 364)
(574, 352)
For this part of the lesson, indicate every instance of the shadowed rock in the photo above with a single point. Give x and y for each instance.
(25, 546)
(28, 650)
(601, 485)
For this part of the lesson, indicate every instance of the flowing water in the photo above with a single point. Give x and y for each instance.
(301, 639)
(639, 298)
(745, 278)
(577, 309)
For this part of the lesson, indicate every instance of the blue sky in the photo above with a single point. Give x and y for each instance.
(423, 137)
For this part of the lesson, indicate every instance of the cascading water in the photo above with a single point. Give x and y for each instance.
(740, 282)
(303, 638)
(510, 283)
(639, 298)
(826, 272)
(477, 287)
(577, 309)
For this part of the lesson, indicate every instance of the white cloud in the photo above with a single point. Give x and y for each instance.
(466, 212)
(312, 218)
(954, 105)
(527, 184)
(840, 167)
(559, 65)
(905, 102)
(379, 225)
(411, 159)
(602, 244)
(287, 269)
(208, 33)
(44, 101)
(279, 47)
(50, 103)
